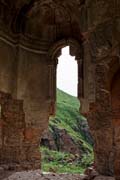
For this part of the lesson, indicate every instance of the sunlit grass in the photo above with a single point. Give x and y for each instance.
(69, 118)
(59, 162)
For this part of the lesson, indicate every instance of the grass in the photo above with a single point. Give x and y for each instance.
(60, 162)
(54, 161)
(69, 118)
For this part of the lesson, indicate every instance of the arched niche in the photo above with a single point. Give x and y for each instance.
(53, 54)
(113, 67)
(115, 103)
(115, 93)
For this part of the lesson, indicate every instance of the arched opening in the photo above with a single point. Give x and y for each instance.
(67, 73)
(115, 94)
(67, 144)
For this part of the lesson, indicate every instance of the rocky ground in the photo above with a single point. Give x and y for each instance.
(38, 175)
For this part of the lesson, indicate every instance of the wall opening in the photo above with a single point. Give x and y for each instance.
(66, 145)
(115, 94)
(67, 73)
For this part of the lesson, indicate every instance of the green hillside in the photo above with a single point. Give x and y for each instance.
(68, 118)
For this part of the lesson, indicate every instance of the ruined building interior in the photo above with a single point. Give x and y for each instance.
(32, 34)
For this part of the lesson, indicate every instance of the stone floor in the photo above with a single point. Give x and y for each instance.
(38, 175)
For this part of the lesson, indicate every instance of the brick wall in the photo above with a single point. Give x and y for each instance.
(12, 127)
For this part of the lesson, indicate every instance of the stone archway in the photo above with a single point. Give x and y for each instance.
(76, 50)
(115, 94)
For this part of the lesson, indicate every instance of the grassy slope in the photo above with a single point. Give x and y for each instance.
(69, 118)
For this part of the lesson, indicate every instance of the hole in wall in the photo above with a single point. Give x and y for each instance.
(66, 145)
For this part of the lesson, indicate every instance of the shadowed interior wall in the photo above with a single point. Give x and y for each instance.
(8, 68)
(33, 87)
(116, 120)
(24, 75)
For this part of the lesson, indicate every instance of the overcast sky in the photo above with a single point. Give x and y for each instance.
(67, 73)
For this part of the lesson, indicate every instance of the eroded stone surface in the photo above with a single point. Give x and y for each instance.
(30, 42)
(15, 137)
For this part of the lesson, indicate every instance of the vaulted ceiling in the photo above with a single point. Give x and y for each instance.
(48, 19)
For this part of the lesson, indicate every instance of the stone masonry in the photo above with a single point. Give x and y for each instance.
(12, 127)
(15, 148)
(32, 34)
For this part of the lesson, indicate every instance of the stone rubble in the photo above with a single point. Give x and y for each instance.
(39, 175)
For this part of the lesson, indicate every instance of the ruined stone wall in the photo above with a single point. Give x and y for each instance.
(26, 72)
(18, 143)
(8, 67)
(33, 86)
(100, 20)
(27, 79)
(115, 92)
(12, 128)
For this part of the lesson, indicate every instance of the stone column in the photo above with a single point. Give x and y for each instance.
(52, 86)
(101, 124)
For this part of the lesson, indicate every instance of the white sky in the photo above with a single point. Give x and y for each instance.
(67, 73)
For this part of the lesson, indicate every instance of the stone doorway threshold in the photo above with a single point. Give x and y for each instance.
(38, 175)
